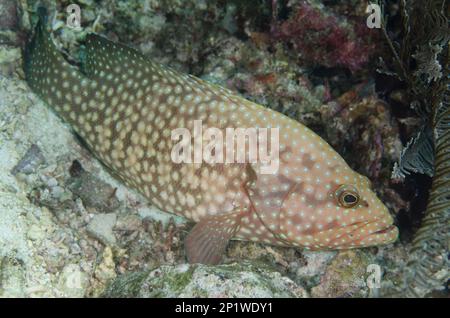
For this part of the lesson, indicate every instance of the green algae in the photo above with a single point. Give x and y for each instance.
(132, 284)
(126, 285)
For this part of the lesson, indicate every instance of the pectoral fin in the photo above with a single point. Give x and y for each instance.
(207, 241)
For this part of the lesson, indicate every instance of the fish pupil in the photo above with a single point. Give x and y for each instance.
(350, 198)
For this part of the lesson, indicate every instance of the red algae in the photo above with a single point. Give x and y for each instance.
(324, 39)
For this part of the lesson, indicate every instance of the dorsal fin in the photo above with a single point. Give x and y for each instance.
(103, 55)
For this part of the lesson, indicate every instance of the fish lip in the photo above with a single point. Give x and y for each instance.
(370, 239)
(386, 230)
(386, 234)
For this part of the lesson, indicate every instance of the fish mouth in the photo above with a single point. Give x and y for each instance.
(383, 234)
(386, 230)
(366, 235)
(386, 235)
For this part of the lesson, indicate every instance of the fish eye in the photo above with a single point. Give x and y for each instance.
(347, 196)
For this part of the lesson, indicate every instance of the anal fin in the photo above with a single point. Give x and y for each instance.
(207, 241)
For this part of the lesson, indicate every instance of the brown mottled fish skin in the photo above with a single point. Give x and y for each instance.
(125, 107)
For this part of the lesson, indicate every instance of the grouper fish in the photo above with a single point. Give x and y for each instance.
(126, 108)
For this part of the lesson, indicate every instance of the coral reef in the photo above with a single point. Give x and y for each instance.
(69, 229)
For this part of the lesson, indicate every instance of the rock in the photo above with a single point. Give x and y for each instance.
(153, 213)
(35, 233)
(101, 227)
(8, 16)
(93, 191)
(12, 278)
(316, 264)
(30, 161)
(128, 222)
(105, 270)
(104, 273)
(233, 280)
(345, 276)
